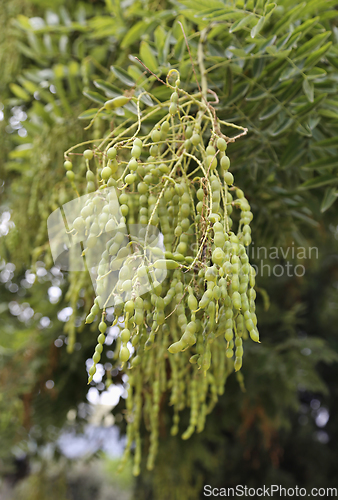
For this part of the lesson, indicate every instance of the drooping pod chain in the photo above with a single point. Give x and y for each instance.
(169, 259)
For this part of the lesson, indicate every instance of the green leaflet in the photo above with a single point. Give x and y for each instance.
(282, 127)
(277, 53)
(88, 114)
(257, 28)
(270, 111)
(308, 88)
(134, 34)
(290, 15)
(19, 92)
(317, 55)
(147, 57)
(332, 143)
(330, 197)
(257, 95)
(220, 14)
(301, 111)
(30, 86)
(201, 5)
(109, 89)
(308, 47)
(316, 73)
(160, 38)
(327, 162)
(328, 113)
(318, 181)
(242, 23)
(123, 76)
(145, 98)
(95, 96)
(306, 26)
(22, 151)
(288, 73)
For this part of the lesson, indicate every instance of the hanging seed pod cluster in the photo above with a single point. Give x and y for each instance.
(182, 330)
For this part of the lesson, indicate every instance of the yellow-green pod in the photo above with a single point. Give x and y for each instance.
(166, 264)
(117, 102)
(176, 347)
(193, 359)
(178, 257)
(254, 335)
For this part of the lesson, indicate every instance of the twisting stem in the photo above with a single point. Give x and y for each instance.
(200, 59)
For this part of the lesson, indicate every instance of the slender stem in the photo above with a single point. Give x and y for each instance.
(200, 59)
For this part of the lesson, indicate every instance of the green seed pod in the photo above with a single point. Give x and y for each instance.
(199, 206)
(96, 357)
(165, 128)
(90, 176)
(174, 97)
(70, 175)
(188, 132)
(88, 154)
(173, 108)
(106, 173)
(218, 256)
(211, 162)
(221, 145)
(166, 264)
(253, 334)
(129, 307)
(92, 370)
(176, 347)
(211, 274)
(130, 178)
(200, 194)
(124, 354)
(101, 338)
(236, 299)
(193, 359)
(99, 348)
(239, 352)
(68, 165)
(102, 327)
(111, 153)
(90, 187)
(95, 309)
(192, 302)
(213, 218)
(219, 240)
(90, 318)
(156, 135)
(207, 296)
(125, 335)
(238, 363)
(133, 165)
(247, 239)
(210, 150)
(225, 163)
(154, 150)
(195, 139)
(229, 178)
(136, 151)
(117, 102)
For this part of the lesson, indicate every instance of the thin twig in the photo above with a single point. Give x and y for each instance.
(191, 59)
(159, 79)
